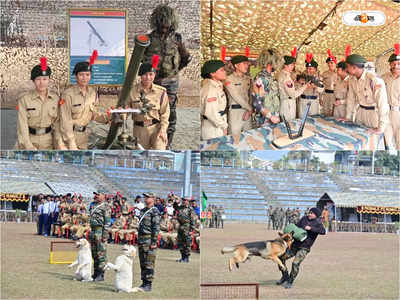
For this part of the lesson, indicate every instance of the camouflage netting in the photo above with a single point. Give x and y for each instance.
(282, 25)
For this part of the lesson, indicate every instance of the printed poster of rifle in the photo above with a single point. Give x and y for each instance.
(104, 30)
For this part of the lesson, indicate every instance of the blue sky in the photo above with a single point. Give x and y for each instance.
(270, 154)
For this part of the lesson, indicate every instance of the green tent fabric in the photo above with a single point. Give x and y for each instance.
(299, 233)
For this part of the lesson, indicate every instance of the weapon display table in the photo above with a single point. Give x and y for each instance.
(329, 135)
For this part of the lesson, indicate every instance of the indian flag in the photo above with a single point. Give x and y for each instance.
(203, 205)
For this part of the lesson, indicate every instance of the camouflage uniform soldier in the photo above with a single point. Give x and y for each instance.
(168, 44)
(367, 101)
(186, 219)
(265, 96)
(99, 218)
(37, 112)
(275, 219)
(288, 213)
(149, 228)
(299, 250)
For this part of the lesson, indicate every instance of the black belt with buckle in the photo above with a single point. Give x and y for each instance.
(236, 106)
(39, 131)
(308, 97)
(367, 107)
(147, 124)
(79, 128)
(329, 91)
(221, 112)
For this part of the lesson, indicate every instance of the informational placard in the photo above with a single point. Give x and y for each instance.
(104, 30)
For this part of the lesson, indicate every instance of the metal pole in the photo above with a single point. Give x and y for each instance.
(187, 173)
(336, 220)
(360, 221)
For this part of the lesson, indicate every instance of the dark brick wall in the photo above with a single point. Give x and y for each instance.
(41, 19)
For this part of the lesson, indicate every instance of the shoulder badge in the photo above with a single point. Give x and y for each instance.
(61, 102)
(227, 83)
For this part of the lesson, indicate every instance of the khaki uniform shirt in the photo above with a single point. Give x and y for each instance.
(369, 90)
(77, 109)
(392, 89)
(341, 89)
(238, 90)
(35, 113)
(329, 79)
(159, 98)
(287, 88)
(213, 101)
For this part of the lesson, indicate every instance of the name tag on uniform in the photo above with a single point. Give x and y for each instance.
(212, 99)
(238, 84)
(76, 105)
(28, 109)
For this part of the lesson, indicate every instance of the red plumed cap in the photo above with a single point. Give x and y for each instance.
(397, 49)
(247, 51)
(348, 51)
(309, 57)
(43, 63)
(294, 52)
(93, 57)
(154, 61)
(223, 53)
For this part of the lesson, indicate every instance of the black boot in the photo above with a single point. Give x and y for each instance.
(288, 284)
(100, 276)
(145, 286)
(182, 259)
(285, 277)
(170, 136)
(186, 260)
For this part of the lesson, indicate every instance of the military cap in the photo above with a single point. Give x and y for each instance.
(396, 55)
(147, 67)
(354, 59)
(289, 60)
(211, 66)
(316, 211)
(312, 63)
(41, 70)
(237, 59)
(341, 65)
(330, 59)
(82, 66)
(149, 195)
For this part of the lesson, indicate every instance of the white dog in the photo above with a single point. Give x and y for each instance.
(123, 268)
(84, 261)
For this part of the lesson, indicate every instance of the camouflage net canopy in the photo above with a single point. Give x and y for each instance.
(283, 25)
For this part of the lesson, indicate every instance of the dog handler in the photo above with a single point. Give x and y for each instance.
(299, 250)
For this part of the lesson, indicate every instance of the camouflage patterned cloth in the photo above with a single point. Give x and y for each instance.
(299, 255)
(270, 100)
(149, 227)
(99, 217)
(186, 219)
(98, 247)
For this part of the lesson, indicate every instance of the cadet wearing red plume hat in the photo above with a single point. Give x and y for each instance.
(37, 112)
(313, 93)
(150, 128)
(77, 108)
(329, 79)
(287, 89)
(392, 81)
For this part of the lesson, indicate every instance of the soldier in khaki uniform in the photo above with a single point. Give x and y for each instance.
(287, 90)
(165, 227)
(312, 93)
(117, 226)
(392, 81)
(77, 109)
(329, 79)
(150, 128)
(213, 102)
(67, 224)
(341, 90)
(172, 237)
(237, 86)
(131, 226)
(367, 102)
(84, 226)
(37, 112)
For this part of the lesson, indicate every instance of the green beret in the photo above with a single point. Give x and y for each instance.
(82, 66)
(289, 60)
(144, 68)
(211, 66)
(341, 65)
(313, 63)
(354, 59)
(37, 71)
(394, 57)
(238, 59)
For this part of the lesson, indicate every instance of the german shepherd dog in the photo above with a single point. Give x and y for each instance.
(270, 249)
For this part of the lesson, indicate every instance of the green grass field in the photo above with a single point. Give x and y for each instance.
(339, 266)
(27, 274)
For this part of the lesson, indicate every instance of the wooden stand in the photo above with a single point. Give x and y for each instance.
(285, 141)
